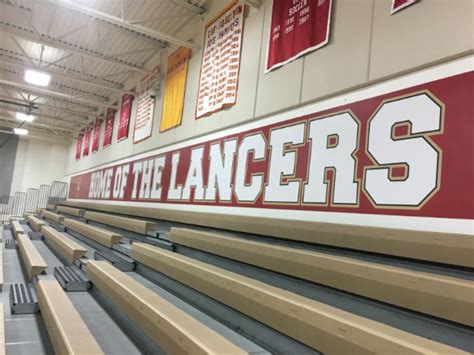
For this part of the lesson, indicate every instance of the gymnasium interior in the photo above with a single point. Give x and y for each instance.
(236, 177)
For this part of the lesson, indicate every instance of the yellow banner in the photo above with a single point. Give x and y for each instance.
(175, 85)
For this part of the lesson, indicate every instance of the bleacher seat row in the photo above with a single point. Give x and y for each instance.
(99, 235)
(35, 223)
(66, 247)
(447, 248)
(68, 332)
(175, 331)
(441, 296)
(315, 324)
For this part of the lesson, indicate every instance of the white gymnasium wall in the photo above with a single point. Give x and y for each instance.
(367, 45)
(38, 161)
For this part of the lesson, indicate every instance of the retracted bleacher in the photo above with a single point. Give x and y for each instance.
(446, 248)
(420, 272)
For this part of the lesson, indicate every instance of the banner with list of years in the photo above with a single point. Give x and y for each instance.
(145, 108)
(221, 61)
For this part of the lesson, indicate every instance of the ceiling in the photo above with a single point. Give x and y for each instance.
(94, 51)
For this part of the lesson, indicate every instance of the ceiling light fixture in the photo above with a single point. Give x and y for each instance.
(20, 131)
(23, 117)
(37, 78)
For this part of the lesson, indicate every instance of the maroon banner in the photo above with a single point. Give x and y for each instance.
(109, 127)
(406, 152)
(398, 5)
(80, 138)
(96, 135)
(87, 140)
(297, 27)
(124, 119)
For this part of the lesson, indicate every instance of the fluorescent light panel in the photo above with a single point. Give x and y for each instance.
(20, 131)
(37, 78)
(23, 117)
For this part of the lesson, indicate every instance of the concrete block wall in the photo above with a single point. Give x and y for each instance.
(367, 45)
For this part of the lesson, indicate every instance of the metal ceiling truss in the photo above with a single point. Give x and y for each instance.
(123, 24)
(17, 60)
(4, 107)
(198, 10)
(42, 125)
(85, 115)
(53, 94)
(29, 35)
(79, 92)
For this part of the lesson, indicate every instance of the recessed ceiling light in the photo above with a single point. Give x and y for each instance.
(20, 116)
(37, 78)
(20, 131)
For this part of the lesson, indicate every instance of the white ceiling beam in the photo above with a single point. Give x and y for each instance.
(189, 6)
(117, 21)
(28, 35)
(53, 108)
(54, 94)
(72, 89)
(42, 125)
(64, 75)
(8, 108)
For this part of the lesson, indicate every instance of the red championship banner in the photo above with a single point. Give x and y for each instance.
(96, 135)
(398, 5)
(124, 118)
(87, 140)
(145, 107)
(297, 27)
(109, 127)
(404, 148)
(220, 61)
(80, 138)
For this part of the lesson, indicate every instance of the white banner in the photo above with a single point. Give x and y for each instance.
(145, 109)
(220, 61)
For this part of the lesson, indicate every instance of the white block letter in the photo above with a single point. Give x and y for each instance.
(145, 185)
(174, 192)
(220, 171)
(419, 153)
(249, 192)
(137, 169)
(333, 143)
(194, 178)
(157, 175)
(283, 163)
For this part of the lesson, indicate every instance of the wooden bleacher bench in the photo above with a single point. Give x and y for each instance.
(315, 324)
(52, 216)
(130, 224)
(173, 330)
(16, 228)
(70, 210)
(96, 234)
(441, 296)
(2, 330)
(447, 248)
(65, 246)
(32, 259)
(67, 330)
(51, 207)
(35, 223)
